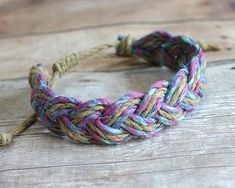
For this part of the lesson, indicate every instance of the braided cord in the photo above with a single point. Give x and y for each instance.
(135, 114)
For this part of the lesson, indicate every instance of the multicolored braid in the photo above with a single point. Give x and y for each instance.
(135, 115)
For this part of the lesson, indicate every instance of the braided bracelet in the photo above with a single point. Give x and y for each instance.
(135, 115)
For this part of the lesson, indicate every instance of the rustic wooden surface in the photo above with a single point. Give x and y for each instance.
(199, 152)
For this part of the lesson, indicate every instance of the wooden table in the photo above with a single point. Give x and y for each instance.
(199, 152)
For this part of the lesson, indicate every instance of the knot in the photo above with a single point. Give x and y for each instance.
(5, 138)
(63, 65)
(124, 45)
(38, 75)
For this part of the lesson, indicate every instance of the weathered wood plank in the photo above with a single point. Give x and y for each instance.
(201, 148)
(26, 51)
(127, 175)
(49, 16)
(199, 152)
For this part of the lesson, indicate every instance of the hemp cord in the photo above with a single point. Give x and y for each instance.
(135, 114)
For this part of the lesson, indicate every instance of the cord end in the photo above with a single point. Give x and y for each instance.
(209, 47)
(5, 138)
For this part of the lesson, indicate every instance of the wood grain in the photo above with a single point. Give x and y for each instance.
(30, 50)
(62, 15)
(199, 152)
(202, 145)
